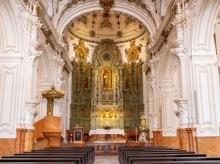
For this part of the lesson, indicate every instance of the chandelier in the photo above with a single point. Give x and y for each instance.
(106, 4)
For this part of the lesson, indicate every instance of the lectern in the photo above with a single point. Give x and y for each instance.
(78, 136)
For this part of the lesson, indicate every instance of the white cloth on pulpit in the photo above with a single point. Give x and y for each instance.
(104, 131)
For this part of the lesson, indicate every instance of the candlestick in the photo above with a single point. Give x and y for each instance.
(136, 134)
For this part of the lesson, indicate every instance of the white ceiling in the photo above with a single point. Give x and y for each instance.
(94, 27)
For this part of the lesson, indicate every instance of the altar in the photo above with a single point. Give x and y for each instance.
(106, 133)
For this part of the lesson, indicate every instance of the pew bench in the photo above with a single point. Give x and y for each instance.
(122, 158)
(72, 160)
(180, 162)
(168, 159)
(141, 157)
(81, 157)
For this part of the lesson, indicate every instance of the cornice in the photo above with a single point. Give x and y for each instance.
(51, 35)
(164, 31)
(48, 29)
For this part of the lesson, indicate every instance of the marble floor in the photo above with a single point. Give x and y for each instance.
(106, 160)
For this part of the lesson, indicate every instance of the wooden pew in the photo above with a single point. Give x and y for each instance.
(75, 155)
(28, 156)
(44, 160)
(180, 162)
(141, 157)
(89, 149)
(127, 154)
(168, 159)
(122, 155)
(27, 162)
(163, 155)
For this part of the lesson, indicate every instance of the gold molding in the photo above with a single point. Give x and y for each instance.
(132, 53)
(81, 51)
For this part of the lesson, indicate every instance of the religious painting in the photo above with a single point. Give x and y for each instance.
(78, 135)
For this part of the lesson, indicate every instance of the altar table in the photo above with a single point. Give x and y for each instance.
(98, 133)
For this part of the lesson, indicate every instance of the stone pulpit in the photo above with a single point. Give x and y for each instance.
(52, 125)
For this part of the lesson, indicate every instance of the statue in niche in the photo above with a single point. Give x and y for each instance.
(106, 78)
(143, 128)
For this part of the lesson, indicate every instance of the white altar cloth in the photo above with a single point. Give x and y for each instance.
(104, 131)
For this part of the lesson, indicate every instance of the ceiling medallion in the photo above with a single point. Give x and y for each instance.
(106, 4)
(119, 34)
(106, 56)
(92, 33)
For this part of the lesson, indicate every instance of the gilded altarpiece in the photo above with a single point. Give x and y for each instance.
(132, 94)
(107, 92)
(107, 102)
(81, 94)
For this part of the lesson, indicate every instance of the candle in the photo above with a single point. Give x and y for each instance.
(136, 134)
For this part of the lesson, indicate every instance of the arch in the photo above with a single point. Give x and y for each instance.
(169, 83)
(167, 65)
(45, 68)
(9, 28)
(86, 7)
(204, 26)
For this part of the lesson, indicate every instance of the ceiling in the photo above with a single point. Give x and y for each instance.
(95, 26)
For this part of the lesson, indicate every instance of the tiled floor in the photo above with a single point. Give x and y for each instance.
(106, 160)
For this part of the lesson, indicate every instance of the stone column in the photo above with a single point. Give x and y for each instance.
(22, 141)
(186, 135)
(29, 142)
(157, 137)
(187, 141)
(34, 50)
(18, 140)
(181, 102)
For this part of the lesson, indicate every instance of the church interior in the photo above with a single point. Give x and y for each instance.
(108, 73)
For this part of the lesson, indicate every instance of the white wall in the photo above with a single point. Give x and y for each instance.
(10, 68)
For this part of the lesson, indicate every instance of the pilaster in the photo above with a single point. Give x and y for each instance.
(157, 137)
(154, 65)
(182, 101)
(187, 140)
(29, 140)
(58, 80)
